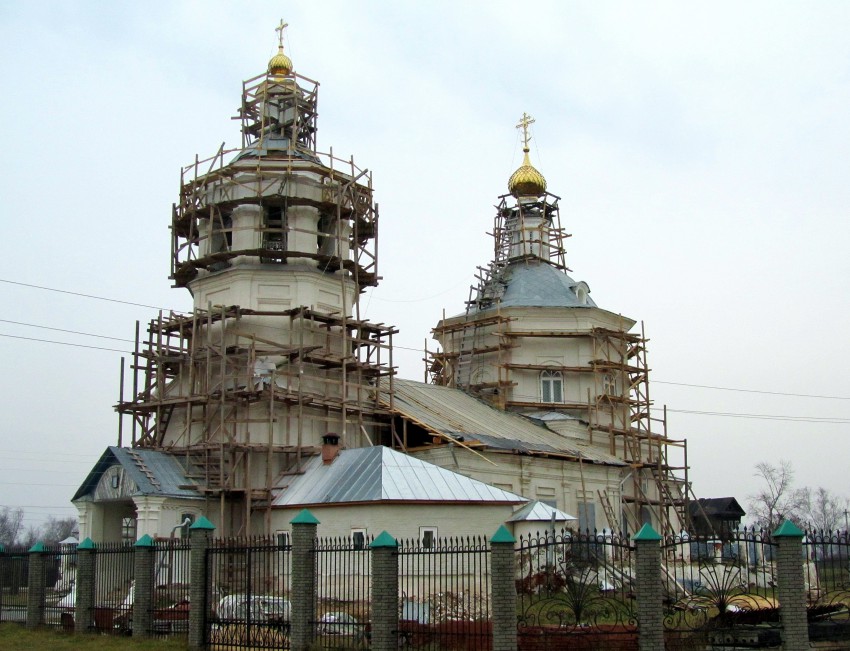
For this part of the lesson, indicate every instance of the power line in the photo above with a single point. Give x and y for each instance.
(770, 393)
(794, 419)
(112, 300)
(73, 332)
(98, 298)
(65, 343)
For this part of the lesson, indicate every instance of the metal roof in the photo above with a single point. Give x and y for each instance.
(153, 472)
(538, 511)
(379, 474)
(538, 284)
(453, 414)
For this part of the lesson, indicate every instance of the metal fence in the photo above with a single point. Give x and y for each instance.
(60, 563)
(578, 586)
(444, 589)
(14, 574)
(343, 592)
(249, 604)
(114, 589)
(720, 591)
(172, 581)
(826, 564)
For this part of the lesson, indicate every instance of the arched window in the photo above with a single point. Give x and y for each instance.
(551, 386)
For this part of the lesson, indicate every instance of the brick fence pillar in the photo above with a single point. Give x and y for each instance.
(36, 585)
(650, 606)
(503, 590)
(791, 587)
(384, 551)
(304, 527)
(85, 586)
(36, 589)
(200, 534)
(144, 565)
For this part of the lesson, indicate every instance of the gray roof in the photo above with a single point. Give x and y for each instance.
(538, 511)
(379, 474)
(538, 284)
(453, 414)
(153, 472)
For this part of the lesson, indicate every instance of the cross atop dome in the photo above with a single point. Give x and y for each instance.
(526, 182)
(525, 121)
(279, 29)
(280, 64)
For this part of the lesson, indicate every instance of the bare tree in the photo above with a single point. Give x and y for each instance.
(825, 509)
(11, 523)
(777, 499)
(57, 529)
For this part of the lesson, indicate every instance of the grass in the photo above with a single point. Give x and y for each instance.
(14, 637)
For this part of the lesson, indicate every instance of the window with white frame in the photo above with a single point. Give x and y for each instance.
(428, 537)
(281, 537)
(551, 386)
(358, 538)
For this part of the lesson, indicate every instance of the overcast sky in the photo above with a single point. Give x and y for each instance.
(700, 150)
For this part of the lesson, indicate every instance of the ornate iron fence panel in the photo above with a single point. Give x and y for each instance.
(343, 592)
(720, 591)
(113, 589)
(576, 585)
(249, 606)
(59, 598)
(444, 589)
(826, 564)
(172, 582)
(14, 574)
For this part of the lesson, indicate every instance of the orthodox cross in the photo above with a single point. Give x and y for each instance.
(279, 29)
(525, 122)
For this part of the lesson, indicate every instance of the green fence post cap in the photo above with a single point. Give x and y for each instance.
(202, 524)
(88, 543)
(304, 517)
(384, 540)
(788, 530)
(502, 535)
(144, 541)
(37, 547)
(647, 533)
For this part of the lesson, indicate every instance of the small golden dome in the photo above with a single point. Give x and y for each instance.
(526, 181)
(280, 65)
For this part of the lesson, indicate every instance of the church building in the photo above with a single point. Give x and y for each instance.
(273, 394)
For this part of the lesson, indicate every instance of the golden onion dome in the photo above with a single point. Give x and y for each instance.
(526, 181)
(280, 65)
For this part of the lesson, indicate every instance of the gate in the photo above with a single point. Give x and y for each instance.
(576, 585)
(249, 581)
(720, 591)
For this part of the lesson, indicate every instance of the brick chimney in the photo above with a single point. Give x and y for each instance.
(330, 448)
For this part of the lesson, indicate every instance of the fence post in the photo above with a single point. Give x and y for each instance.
(85, 586)
(35, 585)
(384, 553)
(144, 554)
(791, 587)
(650, 606)
(304, 527)
(503, 590)
(200, 533)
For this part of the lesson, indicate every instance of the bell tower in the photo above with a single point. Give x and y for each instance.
(275, 241)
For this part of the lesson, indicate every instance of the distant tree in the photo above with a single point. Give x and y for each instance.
(29, 537)
(11, 523)
(777, 499)
(825, 509)
(57, 529)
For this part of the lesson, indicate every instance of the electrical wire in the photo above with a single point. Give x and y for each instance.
(98, 298)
